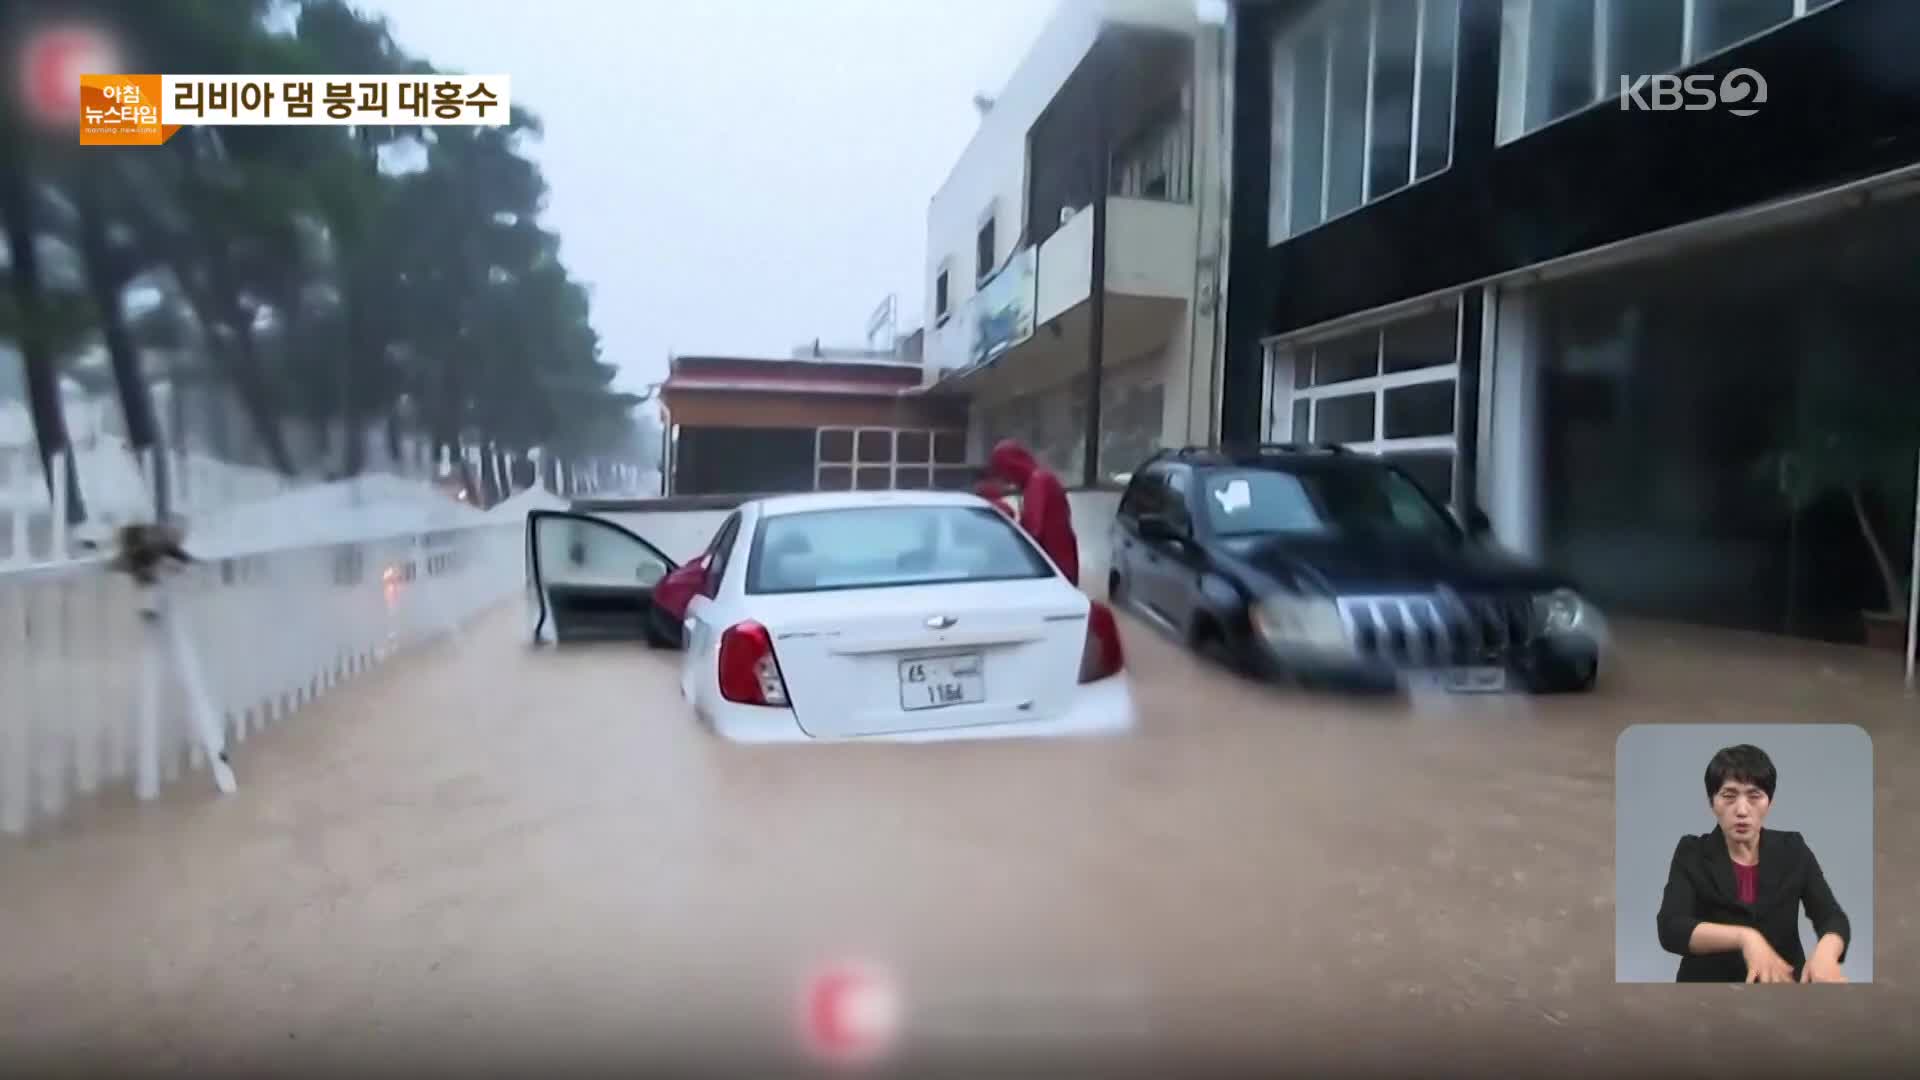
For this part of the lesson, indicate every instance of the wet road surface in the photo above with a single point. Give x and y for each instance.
(491, 857)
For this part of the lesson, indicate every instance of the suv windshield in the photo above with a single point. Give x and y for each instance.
(1361, 499)
(872, 547)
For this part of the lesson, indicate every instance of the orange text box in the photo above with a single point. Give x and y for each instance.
(122, 110)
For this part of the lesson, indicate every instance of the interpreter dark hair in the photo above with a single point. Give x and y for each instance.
(1745, 763)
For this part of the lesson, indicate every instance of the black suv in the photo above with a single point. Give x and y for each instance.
(1329, 567)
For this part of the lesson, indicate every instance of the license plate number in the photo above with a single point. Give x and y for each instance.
(1471, 680)
(939, 682)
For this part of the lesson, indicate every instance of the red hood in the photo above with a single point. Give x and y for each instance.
(1012, 461)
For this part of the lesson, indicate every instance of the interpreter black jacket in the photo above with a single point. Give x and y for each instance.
(1701, 888)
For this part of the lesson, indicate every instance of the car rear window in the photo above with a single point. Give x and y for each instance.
(875, 547)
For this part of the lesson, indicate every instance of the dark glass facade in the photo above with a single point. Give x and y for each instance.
(1727, 426)
(1710, 418)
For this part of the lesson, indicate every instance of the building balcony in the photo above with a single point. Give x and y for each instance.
(1033, 313)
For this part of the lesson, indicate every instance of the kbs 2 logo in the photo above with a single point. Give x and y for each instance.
(1740, 91)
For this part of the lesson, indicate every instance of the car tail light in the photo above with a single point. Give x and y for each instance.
(749, 675)
(1101, 657)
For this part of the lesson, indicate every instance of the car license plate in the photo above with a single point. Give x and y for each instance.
(1472, 680)
(937, 682)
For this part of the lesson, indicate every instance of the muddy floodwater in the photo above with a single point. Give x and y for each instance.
(490, 856)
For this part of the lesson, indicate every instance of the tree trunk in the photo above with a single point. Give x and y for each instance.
(105, 281)
(1889, 580)
(239, 364)
(395, 444)
(256, 397)
(43, 376)
(355, 461)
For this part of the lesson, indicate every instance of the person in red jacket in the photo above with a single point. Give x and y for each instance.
(989, 489)
(991, 492)
(1043, 504)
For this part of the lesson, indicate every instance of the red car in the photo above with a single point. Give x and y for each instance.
(670, 599)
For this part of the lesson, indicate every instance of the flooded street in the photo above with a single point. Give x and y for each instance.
(485, 855)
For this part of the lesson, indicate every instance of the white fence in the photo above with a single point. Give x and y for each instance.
(117, 488)
(272, 631)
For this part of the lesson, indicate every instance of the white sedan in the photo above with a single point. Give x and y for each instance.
(904, 616)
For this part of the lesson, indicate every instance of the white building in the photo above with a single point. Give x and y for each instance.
(1010, 255)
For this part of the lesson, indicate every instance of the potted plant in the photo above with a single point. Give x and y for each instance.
(1857, 437)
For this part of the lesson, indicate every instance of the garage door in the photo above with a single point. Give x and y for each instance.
(1387, 390)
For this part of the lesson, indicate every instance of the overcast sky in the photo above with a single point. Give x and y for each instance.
(736, 176)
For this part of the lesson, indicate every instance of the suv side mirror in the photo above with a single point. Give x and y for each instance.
(1157, 528)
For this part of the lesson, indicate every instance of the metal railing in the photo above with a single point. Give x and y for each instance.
(87, 704)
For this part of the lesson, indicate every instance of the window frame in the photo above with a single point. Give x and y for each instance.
(1178, 483)
(720, 556)
(1321, 22)
(1037, 558)
(1148, 490)
(988, 230)
(894, 466)
(1283, 356)
(1516, 18)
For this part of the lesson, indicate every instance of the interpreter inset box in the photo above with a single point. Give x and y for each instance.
(1743, 853)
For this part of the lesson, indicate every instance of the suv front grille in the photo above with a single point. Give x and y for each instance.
(1445, 630)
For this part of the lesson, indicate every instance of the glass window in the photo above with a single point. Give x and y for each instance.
(1428, 341)
(584, 553)
(1344, 419)
(1303, 369)
(1661, 487)
(1279, 145)
(1362, 104)
(949, 447)
(876, 446)
(1423, 409)
(1559, 60)
(1362, 394)
(1431, 469)
(1179, 488)
(1375, 499)
(1347, 358)
(1410, 506)
(1643, 39)
(1439, 28)
(1347, 108)
(877, 547)
(719, 554)
(1144, 493)
(1344, 498)
(1720, 23)
(1244, 502)
(1549, 48)
(1396, 39)
(836, 445)
(1307, 160)
(912, 447)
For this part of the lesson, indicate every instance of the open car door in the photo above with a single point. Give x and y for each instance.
(590, 580)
